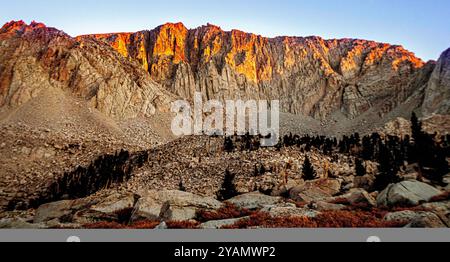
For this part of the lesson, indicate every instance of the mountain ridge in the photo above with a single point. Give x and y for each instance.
(311, 76)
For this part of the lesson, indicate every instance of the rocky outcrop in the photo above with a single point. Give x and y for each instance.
(420, 219)
(437, 94)
(316, 190)
(254, 200)
(172, 205)
(311, 76)
(34, 58)
(407, 193)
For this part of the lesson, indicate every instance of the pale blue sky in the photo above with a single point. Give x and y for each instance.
(422, 26)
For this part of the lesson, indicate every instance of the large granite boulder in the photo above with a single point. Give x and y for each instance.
(407, 193)
(172, 205)
(254, 201)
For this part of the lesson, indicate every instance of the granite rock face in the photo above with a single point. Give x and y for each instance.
(127, 75)
(310, 76)
(34, 58)
(437, 94)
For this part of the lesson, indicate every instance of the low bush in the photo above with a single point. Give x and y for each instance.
(104, 225)
(183, 224)
(228, 211)
(330, 219)
(442, 197)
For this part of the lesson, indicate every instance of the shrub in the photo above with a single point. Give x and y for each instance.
(124, 215)
(329, 219)
(264, 220)
(183, 224)
(104, 225)
(145, 224)
(353, 219)
(228, 211)
(442, 197)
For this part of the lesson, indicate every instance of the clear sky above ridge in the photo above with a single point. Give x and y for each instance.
(422, 26)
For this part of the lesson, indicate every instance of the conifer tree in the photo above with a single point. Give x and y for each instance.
(228, 145)
(360, 169)
(181, 186)
(387, 170)
(228, 189)
(308, 170)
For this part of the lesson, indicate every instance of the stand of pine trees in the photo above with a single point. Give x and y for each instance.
(429, 151)
(391, 152)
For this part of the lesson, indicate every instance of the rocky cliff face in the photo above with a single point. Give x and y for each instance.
(34, 58)
(311, 76)
(437, 94)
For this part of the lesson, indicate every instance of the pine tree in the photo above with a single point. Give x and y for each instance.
(256, 171)
(360, 169)
(181, 186)
(418, 137)
(387, 170)
(367, 151)
(228, 189)
(308, 170)
(427, 152)
(416, 127)
(228, 145)
(262, 170)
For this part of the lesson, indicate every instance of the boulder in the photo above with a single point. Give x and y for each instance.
(325, 206)
(218, 224)
(61, 210)
(316, 190)
(407, 193)
(402, 216)
(329, 186)
(17, 223)
(56, 224)
(358, 197)
(364, 182)
(115, 202)
(161, 226)
(87, 216)
(308, 194)
(348, 187)
(254, 201)
(277, 211)
(101, 207)
(172, 205)
(301, 194)
(429, 220)
(442, 207)
(172, 212)
(284, 189)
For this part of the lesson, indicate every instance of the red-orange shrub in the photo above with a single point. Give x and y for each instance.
(330, 219)
(104, 225)
(144, 224)
(442, 197)
(228, 211)
(183, 224)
